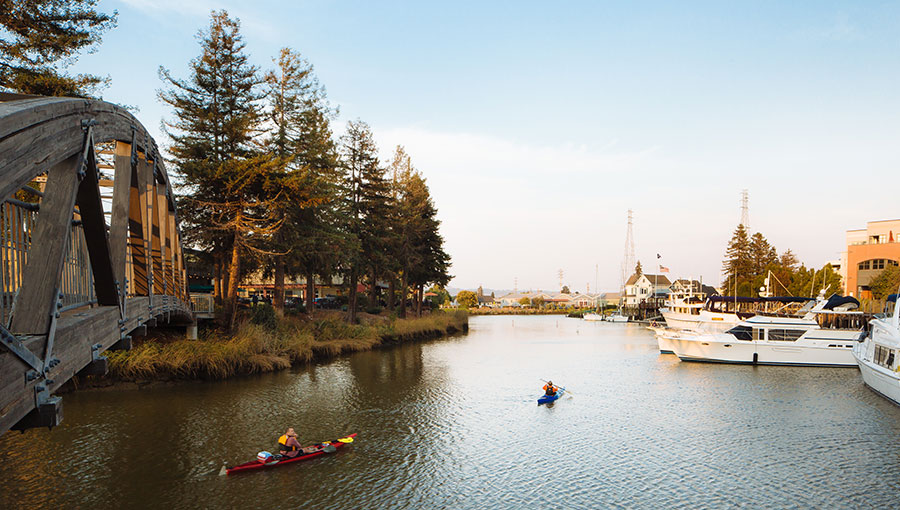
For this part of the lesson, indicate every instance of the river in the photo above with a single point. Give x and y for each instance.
(454, 423)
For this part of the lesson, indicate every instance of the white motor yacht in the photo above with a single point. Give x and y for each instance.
(721, 313)
(877, 354)
(592, 317)
(824, 336)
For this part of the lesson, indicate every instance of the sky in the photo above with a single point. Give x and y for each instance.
(539, 124)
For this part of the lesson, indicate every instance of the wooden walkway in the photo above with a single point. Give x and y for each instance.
(90, 250)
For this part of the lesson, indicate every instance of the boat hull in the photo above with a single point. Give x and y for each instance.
(724, 348)
(544, 399)
(592, 317)
(256, 465)
(880, 379)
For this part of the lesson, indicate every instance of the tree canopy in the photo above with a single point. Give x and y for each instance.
(39, 37)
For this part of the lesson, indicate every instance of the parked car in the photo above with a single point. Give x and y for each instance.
(327, 302)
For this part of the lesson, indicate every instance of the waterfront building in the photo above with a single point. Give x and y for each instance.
(868, 252)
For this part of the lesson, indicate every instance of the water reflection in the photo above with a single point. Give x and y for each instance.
(454, 423)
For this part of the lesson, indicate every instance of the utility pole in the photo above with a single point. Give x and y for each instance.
(629, 250)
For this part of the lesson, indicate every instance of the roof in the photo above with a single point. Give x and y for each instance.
(658, 279)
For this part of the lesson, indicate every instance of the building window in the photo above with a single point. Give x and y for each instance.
(892, 262)
(864, 265)
(878, 264)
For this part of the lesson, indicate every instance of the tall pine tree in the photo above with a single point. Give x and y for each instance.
(218, 113)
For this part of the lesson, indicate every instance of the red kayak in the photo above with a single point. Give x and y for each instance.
(283, 461)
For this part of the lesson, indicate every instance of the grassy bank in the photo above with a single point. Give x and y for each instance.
(256, 348)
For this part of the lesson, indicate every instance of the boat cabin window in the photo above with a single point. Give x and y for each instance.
(759, 334)
(884, 356)
(741, 332)
(785, 335)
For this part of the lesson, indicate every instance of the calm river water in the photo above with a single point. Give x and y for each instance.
(454, 424)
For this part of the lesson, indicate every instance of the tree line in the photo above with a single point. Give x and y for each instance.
(264, 185)
(750, 260)
(268, 187)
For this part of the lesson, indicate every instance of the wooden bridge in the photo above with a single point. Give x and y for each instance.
(90, 251)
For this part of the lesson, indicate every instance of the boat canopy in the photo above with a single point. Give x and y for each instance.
(835, 301)
(892, 298)
(743, 299)
(735, 299)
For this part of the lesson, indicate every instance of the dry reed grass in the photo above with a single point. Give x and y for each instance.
(255, 349)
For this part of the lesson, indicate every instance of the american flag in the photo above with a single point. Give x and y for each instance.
(663, 269)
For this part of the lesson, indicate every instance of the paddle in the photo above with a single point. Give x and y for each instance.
(560, 387)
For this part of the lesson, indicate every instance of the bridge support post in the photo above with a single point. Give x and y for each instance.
(48, 414)
(122, 345)
(192, 331)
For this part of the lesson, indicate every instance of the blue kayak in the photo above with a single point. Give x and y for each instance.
(545, 399)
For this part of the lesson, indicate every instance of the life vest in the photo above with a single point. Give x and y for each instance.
(549, 390)
(283, 446)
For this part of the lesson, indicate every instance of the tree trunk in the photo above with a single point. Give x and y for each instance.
(419, 301)
(225, 280)
(391, 289)
(351, 304)
(233, 278)
(279, 285)
(373, 299)
(217, 279)
(402, 314)
(310, 291)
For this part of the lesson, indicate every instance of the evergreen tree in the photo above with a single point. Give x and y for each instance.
(420, 246)
(229, 201)
(293, 93)
(638, 270)
(36, 36)
(762, 254)
(369, 203)
(738, 264)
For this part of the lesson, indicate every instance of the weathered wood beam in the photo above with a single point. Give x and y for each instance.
(118, 226)
(94, 224)
(37, 296)
(137, 221)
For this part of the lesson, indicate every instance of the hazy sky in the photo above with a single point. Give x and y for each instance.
(538, 124)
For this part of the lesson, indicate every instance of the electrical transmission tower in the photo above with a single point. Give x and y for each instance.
(745, 209)
(560, 274)
(628, 262)
(516, 285)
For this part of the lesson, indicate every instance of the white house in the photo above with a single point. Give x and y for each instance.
(641, 288)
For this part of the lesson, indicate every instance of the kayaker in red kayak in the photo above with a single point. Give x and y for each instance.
(288, 445)
(550, 389)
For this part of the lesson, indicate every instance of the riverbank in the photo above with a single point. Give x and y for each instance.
(258, 348)
(509, 310)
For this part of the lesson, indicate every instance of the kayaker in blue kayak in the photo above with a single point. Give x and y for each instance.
(550, 389)
(288, 445)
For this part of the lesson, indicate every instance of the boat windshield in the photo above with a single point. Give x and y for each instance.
(741, 332)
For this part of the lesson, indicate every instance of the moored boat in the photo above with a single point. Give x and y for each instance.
(822, 337)
(592, 317)
(878, 355)
(274, 461)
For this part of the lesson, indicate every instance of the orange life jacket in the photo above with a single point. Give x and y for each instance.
(283, 446)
